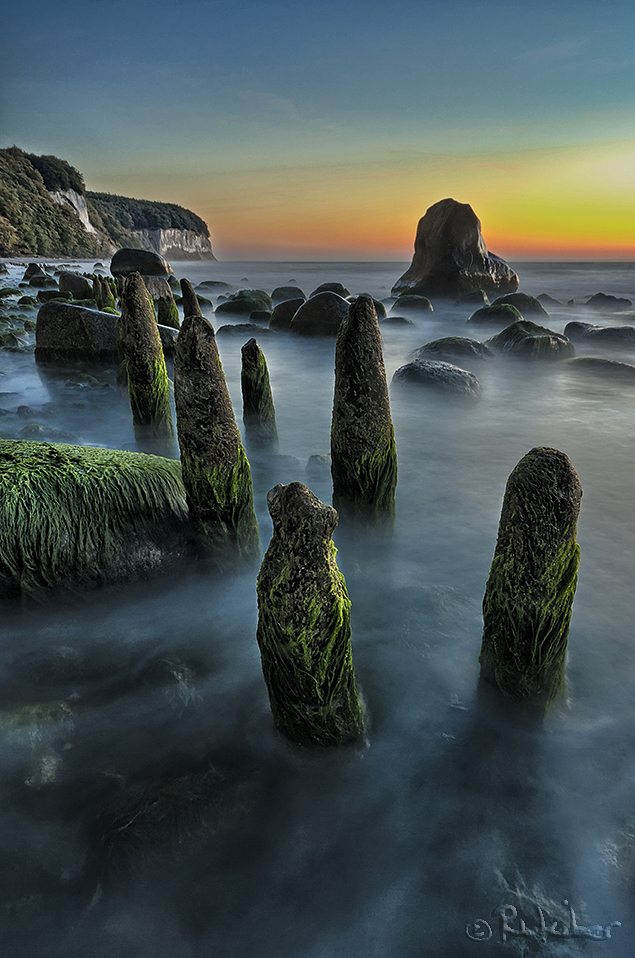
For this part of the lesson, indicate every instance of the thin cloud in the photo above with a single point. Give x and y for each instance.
(555, 52)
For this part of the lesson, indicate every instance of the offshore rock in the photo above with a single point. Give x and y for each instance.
(600, 335)
(607, 368)
(532, 580)
(321, 315)
(143, 261)
(245, 301)
(440, 376)
(331, 288)
(451, 257)
(363, 453)
(74, 519)
(66, 333)
(304, 624)
(147, 376)
(501, 315)
(529, 341)
(259, 415)
(283, 293)
(525, 304)
(409, 302)
(216, 472)
(284, 312)
(452, 348)
(610, 303)
(75, 284)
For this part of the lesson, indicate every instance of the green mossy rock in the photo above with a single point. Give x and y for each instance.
(259, 415)
(525, 304)
(216, 471)
(410, 302)
(529, 341)
(304, 625)
(147, 376)
(245, 301)
(363, 452)
(498, 314)
(532, 581)
(74, 518)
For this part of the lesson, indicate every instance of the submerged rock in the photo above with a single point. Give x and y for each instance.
(66, 333)
(245, 301)
(331, 288)
(74, 519)
(451, 257)
(438, 375)
(451, 348)
(408, 302)
(607, 368)
(321, 315)
(216, 472)
(284, 312)
(612, 303)
(525, 304)
(304, 624)
(532, 580)
(529, 341)
(259, 415)
(363, 453)
(600, 335)
(283, 293)
(498, 314)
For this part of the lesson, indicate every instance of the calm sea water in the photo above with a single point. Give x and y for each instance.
(452, 810)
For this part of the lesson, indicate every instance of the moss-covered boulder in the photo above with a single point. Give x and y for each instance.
(609, 336)
(435, 374)
(500, 315)
(245, 301)
(46, 295)
(532, 580)
(74, 519)
(67, 333)
(283, 293)
(75, 284)
(284, 312)
(608, 369)
(363, 452)
(529, 341)
(216, 471)
(321, 315)
(304, 626)
(330, 288)
(453, 348)
(140, 342)
(411, 303)
(525, 304)
(259, 415)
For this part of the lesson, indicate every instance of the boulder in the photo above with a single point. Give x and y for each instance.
(532, 581)
(304, 631)
(452, 348)
(610, 303)
(243, 330)
(331, 288)
(409, 302)
(65, 333)
(245, 301)
(75, 284)
(607, 368)
(502, 315)
(33, 269)
(529, 341)
(451, 257)
(282, 293)
(46, 295)
(143, 261)
(525, 304)
(284, 312)
(440, 376)
(549, 300)
(396, 321)
(321, 315)
(600, 335)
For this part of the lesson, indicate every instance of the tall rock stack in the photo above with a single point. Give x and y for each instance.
(532, 581)
(216, 472)
(304, 624)
(363, 453)
(147, 376)
(259, 415)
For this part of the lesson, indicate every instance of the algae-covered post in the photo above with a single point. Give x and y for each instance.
(216, 472)
(304, 624)
(147, 376)
(363, 453)
(532, 580)
(259, 414)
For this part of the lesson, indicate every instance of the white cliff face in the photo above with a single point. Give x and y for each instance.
(176, 244)
(77, 203)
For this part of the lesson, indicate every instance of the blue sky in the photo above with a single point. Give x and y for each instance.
(282, 122)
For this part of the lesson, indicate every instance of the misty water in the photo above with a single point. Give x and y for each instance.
(453, 808)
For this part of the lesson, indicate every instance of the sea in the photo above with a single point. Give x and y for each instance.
(149, 809)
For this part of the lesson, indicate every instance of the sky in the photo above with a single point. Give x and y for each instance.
(323, 130)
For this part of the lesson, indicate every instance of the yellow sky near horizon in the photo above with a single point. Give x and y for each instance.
(550, 202)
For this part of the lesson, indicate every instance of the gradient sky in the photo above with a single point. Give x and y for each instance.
(324, 130)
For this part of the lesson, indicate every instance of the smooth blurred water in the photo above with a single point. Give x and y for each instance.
(453, 808)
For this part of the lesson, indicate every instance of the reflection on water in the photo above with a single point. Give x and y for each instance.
(148, 809)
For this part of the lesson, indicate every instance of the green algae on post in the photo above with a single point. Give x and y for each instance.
(148, 387)
(216, 472)
(259, 415)
(363, 452)
(75, 518)
(532, 581)
(304, 624)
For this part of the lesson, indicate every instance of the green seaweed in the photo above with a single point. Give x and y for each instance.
(364, 486)
(75, 518)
